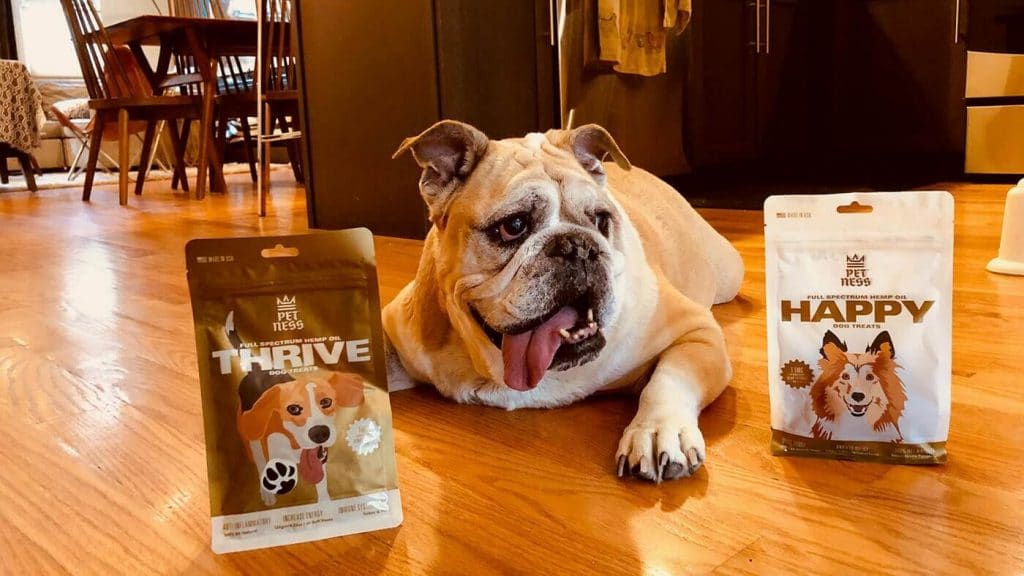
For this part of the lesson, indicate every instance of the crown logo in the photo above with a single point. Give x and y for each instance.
(286, 302)
(854, 259)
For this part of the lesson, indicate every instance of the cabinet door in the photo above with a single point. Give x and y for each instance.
(368, 81)
(721, 118)
(898, 85)
(496, 65)
(786, 101)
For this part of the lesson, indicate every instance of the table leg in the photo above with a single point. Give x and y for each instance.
(27, 169)
(208, 156)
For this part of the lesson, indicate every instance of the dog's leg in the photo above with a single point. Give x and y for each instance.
(260, 459)
(663, 442)
(280, 473)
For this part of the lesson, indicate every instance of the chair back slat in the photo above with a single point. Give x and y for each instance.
(232, 72)
(278, 59)
(196, 8)
(109, 71)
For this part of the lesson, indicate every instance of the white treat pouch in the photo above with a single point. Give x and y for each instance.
(859, 302)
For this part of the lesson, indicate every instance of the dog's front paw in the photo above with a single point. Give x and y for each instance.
(659, 449)
(279, 477)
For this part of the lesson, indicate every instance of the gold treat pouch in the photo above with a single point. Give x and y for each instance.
(859, 305)
(299, 443)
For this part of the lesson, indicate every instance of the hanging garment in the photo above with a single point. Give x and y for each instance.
(632, 33)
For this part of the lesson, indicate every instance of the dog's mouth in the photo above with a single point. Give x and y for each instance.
(857, 410)
(564, 337)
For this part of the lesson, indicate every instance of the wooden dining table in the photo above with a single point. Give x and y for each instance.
(206, 40)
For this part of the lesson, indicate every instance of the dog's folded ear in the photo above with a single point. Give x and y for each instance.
(447, 151)
(590, 144)
(253, 423)
(882, 345)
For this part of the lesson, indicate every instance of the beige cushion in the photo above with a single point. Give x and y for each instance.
(55, 89)
(76, 108)
(51, 129)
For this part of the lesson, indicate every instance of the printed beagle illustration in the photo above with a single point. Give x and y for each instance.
(287, 422)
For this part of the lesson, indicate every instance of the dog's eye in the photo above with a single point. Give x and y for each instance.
(294, 409)
(512, 228)
(602, 221)
(869, 377)
(845, 376)
(326, 403)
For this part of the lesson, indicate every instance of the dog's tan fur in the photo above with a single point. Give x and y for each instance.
(663, 267)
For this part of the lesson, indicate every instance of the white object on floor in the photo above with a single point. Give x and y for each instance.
(1011, 245)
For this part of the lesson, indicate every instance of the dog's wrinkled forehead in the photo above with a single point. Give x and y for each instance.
(516, 167)
(461, 165)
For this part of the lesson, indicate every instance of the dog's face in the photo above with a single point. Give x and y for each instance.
(858, 389)
(305, 407)
(862, 385)
(530, 242)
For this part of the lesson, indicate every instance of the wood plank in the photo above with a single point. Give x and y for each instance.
(101, 425)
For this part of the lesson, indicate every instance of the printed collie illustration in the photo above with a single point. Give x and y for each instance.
(858, 396)
(287, 422)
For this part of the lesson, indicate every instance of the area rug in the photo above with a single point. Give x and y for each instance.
(51, 180)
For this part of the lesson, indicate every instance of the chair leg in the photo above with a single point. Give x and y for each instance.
(144, 156)
(94, 154)
(294, 157)
(74, 170)
(27, 170)
(249, 156)
(158, 147)
(220, 145)
(179, 152)
(124, 161)
(264, 158)
(178, 148)
(5, 176)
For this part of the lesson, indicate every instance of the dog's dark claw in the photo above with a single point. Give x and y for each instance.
(638, 472)
(672, 471)
(623, 462)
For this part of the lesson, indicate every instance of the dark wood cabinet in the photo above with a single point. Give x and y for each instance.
(496, 65)
(898, 87)
(368, 80)
(826, 91)
(372, 76)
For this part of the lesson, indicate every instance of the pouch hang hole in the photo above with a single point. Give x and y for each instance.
(279, 251)
(855, 208)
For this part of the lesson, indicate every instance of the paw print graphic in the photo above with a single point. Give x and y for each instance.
(279, 477)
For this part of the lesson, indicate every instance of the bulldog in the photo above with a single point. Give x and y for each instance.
(549, 275)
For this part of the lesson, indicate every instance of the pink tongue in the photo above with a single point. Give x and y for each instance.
(528, 355)
(310, 467)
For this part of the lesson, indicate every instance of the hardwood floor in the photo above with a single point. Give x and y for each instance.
(103, 466)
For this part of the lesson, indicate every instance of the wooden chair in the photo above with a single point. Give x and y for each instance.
(236, 86)
(84, 136)
(121, 96)
(279, 89)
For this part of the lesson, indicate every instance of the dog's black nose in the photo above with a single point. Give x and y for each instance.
(319, 434)
(572, 246)
(857, 396)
